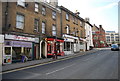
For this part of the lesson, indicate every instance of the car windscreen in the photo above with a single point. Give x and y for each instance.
(115, 46)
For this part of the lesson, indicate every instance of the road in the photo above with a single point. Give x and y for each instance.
(100, 65)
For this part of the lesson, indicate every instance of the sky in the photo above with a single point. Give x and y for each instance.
(100, 12)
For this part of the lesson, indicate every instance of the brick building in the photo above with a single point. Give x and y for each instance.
(31, 28)
(99, 39)
(73, 29)
(40, 29)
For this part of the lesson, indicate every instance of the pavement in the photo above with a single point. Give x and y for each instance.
(42, 61)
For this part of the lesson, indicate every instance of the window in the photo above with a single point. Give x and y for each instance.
(68, 29)
(21, 3)
(73, 19)
(43, 10)
(54, 30)
(43, 27)
(36, 25)
(67, 16)
(54, 15)
(36, 7)
(20, 21)
(81, 24)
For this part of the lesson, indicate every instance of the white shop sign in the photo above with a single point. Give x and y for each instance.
(15, 37)
(68, 40)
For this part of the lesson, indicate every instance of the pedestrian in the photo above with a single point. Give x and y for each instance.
(23, 58)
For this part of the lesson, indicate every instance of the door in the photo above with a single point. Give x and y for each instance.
(7, 56)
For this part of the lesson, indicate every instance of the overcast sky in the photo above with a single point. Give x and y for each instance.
(100, 12)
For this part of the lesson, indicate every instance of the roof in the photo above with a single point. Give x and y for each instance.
(70, 12)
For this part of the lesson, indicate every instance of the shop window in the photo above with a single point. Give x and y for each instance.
(7, 50)
(16, 53)
(20, 21)
(28, 52)
(49, 48)
(66, 46)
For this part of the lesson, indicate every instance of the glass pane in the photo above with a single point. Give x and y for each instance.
(7, 50)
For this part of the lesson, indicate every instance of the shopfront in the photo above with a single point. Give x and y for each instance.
(55, 45)
(83, 44)
(15, 46)
(71, 44)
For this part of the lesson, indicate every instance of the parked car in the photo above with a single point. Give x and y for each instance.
(114, 47)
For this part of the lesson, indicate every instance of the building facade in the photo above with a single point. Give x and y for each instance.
(112, 38)
(72, 27)
(31, 28)
(99, 39)
(88, 30)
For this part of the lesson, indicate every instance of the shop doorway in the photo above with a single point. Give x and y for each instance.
(43, 55)
(7, 56)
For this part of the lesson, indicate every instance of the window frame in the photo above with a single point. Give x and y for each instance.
(18, 21)
(67, 16)
(68, 29)
(36, 27)
(54, 30)
(54, 14)
(43, 10)
(36, 7)
(43, 27)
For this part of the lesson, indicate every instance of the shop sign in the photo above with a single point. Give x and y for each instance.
(69, 40)
(68, 36)
(18, 44)
(15, 37)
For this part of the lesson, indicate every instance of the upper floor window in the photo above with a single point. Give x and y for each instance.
(21, 3)
(43, 27)
(68, 29)
(20, 21)
(43, 10)
(54, 15)
(73, 19)
(54, 30)
(67, 16)
(81, 24)
(36, 7)
(36, 25)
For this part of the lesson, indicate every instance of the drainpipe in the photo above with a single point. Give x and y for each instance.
(6, 15)
(61, 23)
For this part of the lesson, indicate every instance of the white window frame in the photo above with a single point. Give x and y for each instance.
(43, 27)
(68, 29)
(36, 26)
(36, 7)
(43, 10)
(67, 16)
(21, 2)
(54, 33)
(54, 15)
(20, 20)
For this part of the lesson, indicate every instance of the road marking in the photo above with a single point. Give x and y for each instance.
(59, 69)
(88, 59)
(32, 66)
